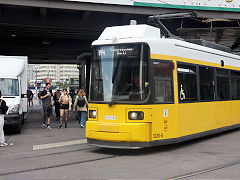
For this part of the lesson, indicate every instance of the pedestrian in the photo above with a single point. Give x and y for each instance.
(81, 103)
(31, 98)
(47, 103)
(72, 94)
(3, 110)
(39, 99)
(65, 106)
(56, 98)
(75, 113)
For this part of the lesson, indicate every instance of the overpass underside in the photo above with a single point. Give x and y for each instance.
(49, 31)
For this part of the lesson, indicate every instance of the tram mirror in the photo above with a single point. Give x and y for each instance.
(222, 63)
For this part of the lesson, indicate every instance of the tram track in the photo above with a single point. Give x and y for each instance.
(44, 155)
(204, 171)
(55, 165)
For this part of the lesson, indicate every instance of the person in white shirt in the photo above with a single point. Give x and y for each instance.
(2, 112)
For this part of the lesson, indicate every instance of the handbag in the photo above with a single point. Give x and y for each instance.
(3, 107)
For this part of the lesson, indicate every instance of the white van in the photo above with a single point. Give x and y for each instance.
(13, 85)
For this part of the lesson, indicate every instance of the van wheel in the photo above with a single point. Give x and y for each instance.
(18, 128)
(22, 118)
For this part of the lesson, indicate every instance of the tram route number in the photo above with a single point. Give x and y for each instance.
(107, 117)
(158, 135)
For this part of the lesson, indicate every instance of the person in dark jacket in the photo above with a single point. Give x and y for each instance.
(30, 97)
(47, 103)
(56, 98)
(2, 113)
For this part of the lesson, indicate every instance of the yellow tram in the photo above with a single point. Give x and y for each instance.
(147, 90)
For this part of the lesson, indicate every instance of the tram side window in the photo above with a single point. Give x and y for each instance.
(207, 89)
(222, 84)
(235, 85)
(187, 83)
(163, 81)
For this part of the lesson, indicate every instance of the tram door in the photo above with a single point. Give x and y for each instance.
(223, 95)
(163, 98)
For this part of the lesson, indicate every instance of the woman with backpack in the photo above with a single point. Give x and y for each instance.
(3, 110)
(81, 103)
(65, 102)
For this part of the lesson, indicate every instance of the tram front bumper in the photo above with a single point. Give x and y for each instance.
(118, 132)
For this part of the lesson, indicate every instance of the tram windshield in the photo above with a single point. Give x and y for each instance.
(119, 73)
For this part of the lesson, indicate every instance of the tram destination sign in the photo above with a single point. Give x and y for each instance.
(130, 51)
(216, 5)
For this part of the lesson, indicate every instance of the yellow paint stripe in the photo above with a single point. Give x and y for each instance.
(193, 61)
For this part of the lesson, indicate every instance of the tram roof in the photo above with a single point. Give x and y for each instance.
(152, 36)
(130, 31)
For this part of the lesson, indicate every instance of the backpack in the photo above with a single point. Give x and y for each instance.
(3, 107)
(81, 101)
(39, 94)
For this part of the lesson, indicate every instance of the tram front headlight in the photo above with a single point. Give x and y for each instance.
(135, 115)
(92, 114)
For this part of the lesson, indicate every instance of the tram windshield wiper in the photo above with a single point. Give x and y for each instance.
(126, 86)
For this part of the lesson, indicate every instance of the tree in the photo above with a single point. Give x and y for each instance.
(61, 85)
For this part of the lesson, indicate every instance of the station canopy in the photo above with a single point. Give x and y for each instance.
(57, 31)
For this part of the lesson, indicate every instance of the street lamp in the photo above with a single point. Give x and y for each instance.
(36, 70)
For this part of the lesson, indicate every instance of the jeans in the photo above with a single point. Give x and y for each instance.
(2, 139)
(82, 116)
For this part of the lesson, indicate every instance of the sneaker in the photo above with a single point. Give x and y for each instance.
(43, 125)
(3, 144)
(60, 127)
(48, 127)
(82, 126)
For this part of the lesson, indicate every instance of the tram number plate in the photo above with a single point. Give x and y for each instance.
(110, 117)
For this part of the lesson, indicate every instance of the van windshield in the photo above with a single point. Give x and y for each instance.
(9, 87)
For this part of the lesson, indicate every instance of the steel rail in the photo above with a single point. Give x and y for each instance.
(205, 171)
(57, 165)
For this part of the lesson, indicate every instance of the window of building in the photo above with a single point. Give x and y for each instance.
(163, 80)
(207, 88)
(222, 84)
(235, 85)
(187, 82)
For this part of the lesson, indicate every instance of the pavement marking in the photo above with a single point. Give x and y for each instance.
(59, 144)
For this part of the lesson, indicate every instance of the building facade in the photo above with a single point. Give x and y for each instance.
(56, 72)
